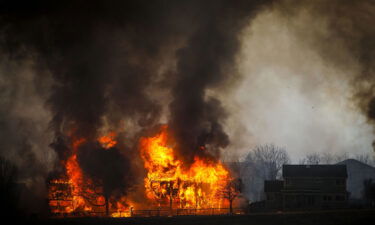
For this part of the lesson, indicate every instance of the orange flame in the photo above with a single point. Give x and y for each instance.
(78, 193)
(108, 141)
(195, 187)
(168, 182)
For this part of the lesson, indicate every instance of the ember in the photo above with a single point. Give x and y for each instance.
(108, 141)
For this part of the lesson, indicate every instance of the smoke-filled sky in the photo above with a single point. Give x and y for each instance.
(226, 75)
(292, 95)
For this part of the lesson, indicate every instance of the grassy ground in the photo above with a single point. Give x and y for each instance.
(360, 217)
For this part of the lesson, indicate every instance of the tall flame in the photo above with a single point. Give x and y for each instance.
(167, 180)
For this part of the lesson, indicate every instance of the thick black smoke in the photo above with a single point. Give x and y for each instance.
(103, 61)
(101, 58)
(207, 61)
(106, 167)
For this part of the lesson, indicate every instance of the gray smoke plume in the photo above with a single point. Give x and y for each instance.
(307, 81)
(347, 43)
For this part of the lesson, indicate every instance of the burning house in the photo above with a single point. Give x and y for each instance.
(74, 193)
(168, 184)
(167, 179)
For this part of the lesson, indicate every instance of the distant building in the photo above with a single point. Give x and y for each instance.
(272, 190)
(358, 172)
(308, 187)
(314, 186)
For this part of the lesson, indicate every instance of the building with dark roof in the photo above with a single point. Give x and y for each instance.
(314, 186)
(308, 187)
(296, 171)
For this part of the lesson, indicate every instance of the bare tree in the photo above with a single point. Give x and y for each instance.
(230, 192)
(312, 159)
(328, 158)
(365, 158)
(339, 157)
(269, 159)
(264, 162)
